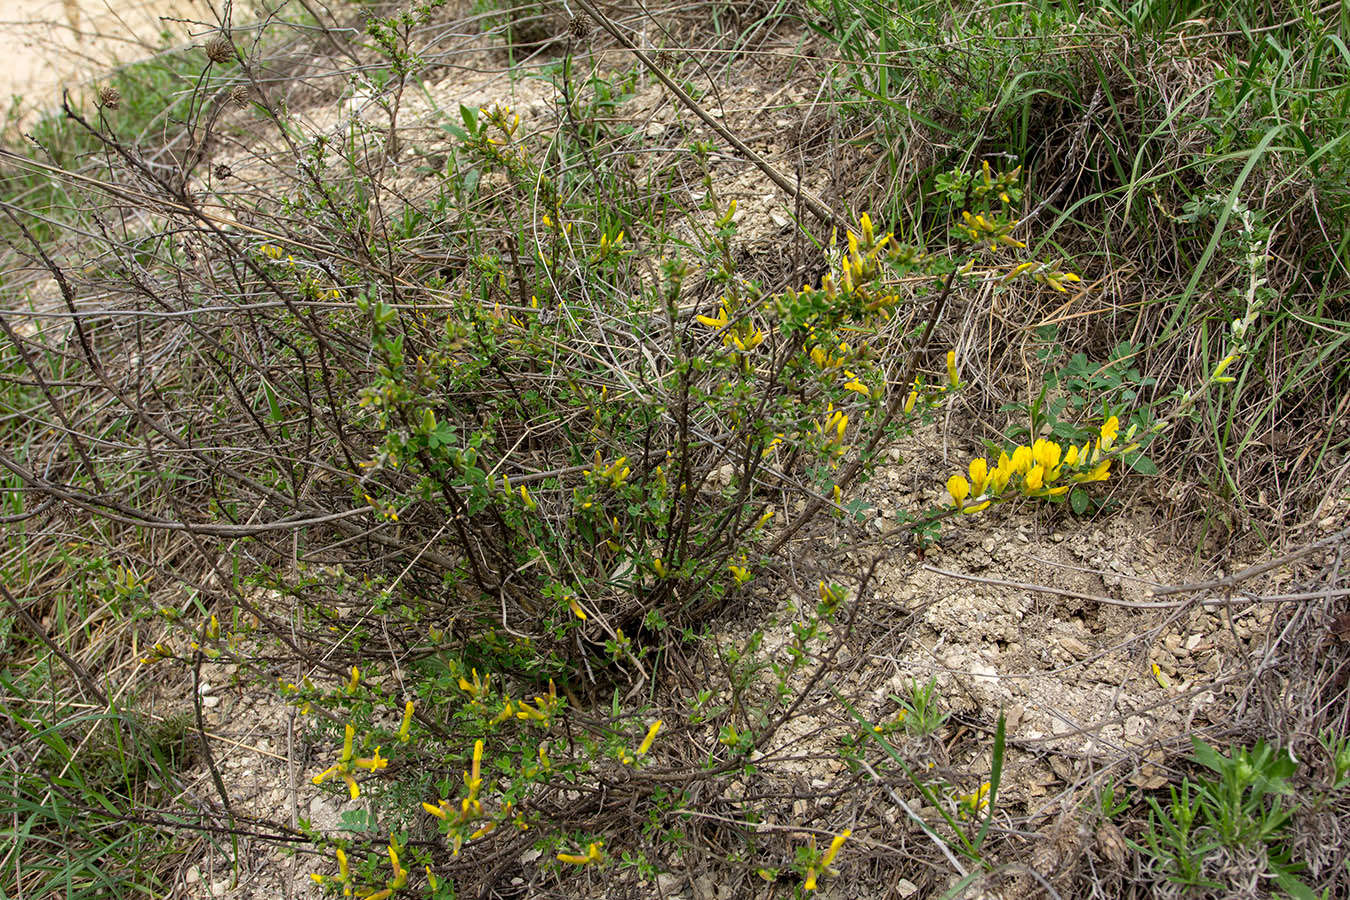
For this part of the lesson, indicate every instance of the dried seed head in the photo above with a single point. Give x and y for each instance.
(665, 59)
(220, 49)
(239, 95)
(580, 27)
(1111, 844)
(223, 171)
(109, 97)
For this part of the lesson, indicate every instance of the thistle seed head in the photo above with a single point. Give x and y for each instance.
(580, 27)
(220, 49)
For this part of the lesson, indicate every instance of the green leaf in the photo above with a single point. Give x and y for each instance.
(1140, 463)
(1293, 887)
(1207, 756)
(1079, 500)
(469, 115)
(995, 776)
(273, 408)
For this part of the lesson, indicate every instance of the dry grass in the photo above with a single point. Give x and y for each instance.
(182, 428)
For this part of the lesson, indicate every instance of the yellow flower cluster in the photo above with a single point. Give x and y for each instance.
(348, 763)
(742, 335)
(1044, 469)
(1055, 278)
(974, 803)
(1002, 182)
(344, 876)
(833, 428)
(477, 689)
(594, 854)
(980, 229)
(1042, 272)
(501, 115)
(470, 807)
(558, 226)
(857, 271)
(823, 865)
(616, 472)
(291, 689)
(827, 359)
(545, 706)
(158, 652)
(609, 248)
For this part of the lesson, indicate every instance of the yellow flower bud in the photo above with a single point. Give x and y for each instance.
(406, 725)
(651, 736)
(959, 488)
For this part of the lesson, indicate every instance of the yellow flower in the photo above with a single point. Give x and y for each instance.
(479, 688)
(747, 343)
(1158, 676)
(1224, 364)
(1098, 473)
(508, 712)
(593, 854)
(979, 475)
(976, 802)
(834, 847)
(951, 369)
(651, 736)
(857, 387)
(959, 488)
(1021, 461)
(473, 779)
(998, 479)
(1046, 454)
(406, 725)
(1110, 428)
(374, 763)
(1035, 478)
(400, 873)
(720, 321)
(911, 400)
